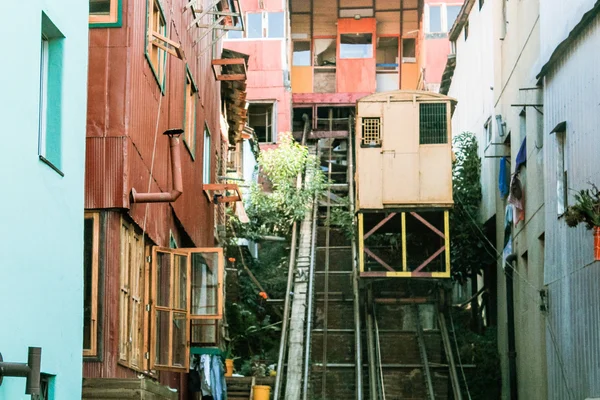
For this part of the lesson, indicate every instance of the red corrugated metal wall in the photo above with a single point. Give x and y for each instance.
(127, 115)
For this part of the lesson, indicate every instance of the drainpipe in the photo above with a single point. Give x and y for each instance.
(30, 371)
(164, 197)
(510, 316)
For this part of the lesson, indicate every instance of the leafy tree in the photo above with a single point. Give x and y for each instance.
(469, 251)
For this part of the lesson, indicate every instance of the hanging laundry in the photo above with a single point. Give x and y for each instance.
(508, 222)
(194, 376)
(205, 373)
(503, 178)
(517, 199)
(521, 156)
(217, 379)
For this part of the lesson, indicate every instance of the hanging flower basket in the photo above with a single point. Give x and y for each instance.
(586, 210)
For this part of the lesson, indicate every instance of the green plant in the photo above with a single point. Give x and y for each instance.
(342, 218)
(586, 208)
(468, 251)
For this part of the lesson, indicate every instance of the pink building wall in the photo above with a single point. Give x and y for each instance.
(267, 69)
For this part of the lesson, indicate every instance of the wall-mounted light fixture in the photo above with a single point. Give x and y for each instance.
(31, 370)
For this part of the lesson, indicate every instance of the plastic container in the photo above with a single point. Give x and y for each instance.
(261, 392)
(229, 367)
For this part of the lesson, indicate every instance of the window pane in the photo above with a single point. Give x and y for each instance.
(162, 338)
(432, 124)
(204, 332)
(301, 57)
(163, 279)
(204, 284)
(452, 14)
(180, 284)
(325, 51)
(179, 339)
(88, 245)
(100, 7)
(435, 19)
(254, 26)
(356, 45)
(235, 34)
(387, 53)
(409, 48)
(206, 161)
(276, 26)
(260, 118)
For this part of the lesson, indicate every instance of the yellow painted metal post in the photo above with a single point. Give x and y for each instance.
(404, 263)
(447, 240)
(361, 244)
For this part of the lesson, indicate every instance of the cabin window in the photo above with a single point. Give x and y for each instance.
(187, 300)
(50, 95)
(91, 248)
(371, 132)
(301, 56)
(189, 119)
(260, 118)
(433, 124)
(131, 302)
(206, 157)
(155, 51)
(105, 13)
(356, 45)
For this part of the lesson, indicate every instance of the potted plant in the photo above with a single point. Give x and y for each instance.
(587, 210)
(229, 358)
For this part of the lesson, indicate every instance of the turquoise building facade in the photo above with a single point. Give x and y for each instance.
(42, 158)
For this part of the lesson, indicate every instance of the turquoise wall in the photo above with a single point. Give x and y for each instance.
(41, 212)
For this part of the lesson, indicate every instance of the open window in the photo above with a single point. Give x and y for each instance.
(356, 45)
(187, 301)
(158, 45)
(105, 13)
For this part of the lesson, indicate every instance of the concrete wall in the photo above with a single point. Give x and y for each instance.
(495, 70)
(41, 234)
(571, 275)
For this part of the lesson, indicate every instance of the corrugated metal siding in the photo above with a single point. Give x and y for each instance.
(571, 94)
(124, 100)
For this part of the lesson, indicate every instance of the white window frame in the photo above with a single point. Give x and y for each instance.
(206, 156)
(562, 196)
(264, 28)
(443, 16)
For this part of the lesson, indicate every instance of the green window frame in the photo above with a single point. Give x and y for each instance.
(50, 96)
(190, 103)
(102, 16)
(155, 53)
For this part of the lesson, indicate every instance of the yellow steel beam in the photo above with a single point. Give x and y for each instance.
(404, 262)
(361, 243)
(447, 240)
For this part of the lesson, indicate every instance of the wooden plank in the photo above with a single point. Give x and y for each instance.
(231, 77)
(328, 98)
(229, 61)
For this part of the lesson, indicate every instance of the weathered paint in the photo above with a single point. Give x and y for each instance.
(356, 75)
(127, 115)
(571, 274)
(41, 239)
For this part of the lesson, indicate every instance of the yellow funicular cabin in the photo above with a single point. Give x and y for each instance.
(404, 184)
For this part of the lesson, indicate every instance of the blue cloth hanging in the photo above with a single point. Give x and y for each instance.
(503, 185)
(521, 155)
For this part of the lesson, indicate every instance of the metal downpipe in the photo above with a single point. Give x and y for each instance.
(510, 326)
(370, 348)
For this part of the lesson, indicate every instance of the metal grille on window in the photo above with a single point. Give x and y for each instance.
(433, 128)
(371, 132)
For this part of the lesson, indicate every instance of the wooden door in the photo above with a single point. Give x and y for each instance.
(400, 153)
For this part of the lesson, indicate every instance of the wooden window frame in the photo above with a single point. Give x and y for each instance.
(112, 20)
(190, 112)
(171, 308)
(94, 281)
(132, 295)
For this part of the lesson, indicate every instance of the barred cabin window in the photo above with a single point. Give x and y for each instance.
(371, 132)
(433, 126)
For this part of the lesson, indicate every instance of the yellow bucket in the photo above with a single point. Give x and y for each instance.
(262, 392)
(228, 367)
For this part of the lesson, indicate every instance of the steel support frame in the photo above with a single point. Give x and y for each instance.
(405, 273)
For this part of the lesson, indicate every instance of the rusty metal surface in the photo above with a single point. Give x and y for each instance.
(125, 125)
